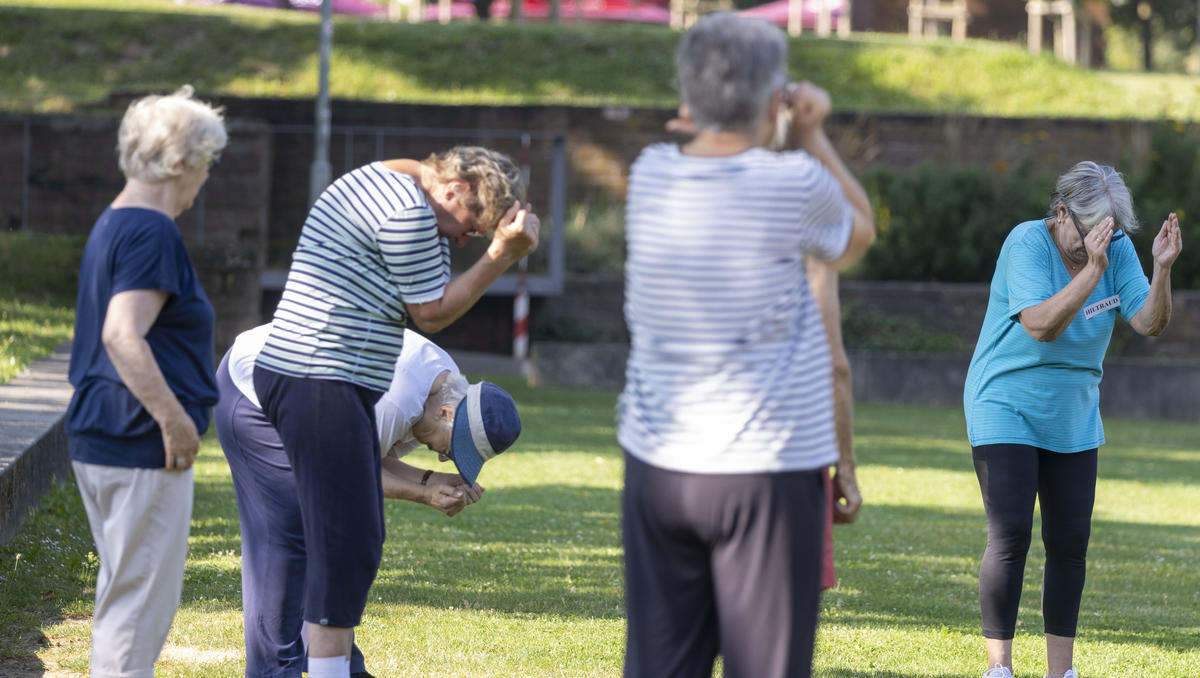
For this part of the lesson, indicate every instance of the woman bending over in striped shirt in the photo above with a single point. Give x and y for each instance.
(374, 252)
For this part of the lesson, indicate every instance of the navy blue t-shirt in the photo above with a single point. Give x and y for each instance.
(137, 249)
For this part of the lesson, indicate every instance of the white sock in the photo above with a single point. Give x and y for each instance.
(328, 667)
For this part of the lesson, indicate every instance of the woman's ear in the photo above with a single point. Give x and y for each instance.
(446, 413)
(453, 190)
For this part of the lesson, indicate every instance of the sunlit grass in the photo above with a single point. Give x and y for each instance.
(529, 581)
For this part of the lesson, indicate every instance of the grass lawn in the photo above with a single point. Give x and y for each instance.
(529, 581)
(68, 55)
(38, 276)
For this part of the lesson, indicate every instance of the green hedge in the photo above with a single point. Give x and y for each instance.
(947, 224)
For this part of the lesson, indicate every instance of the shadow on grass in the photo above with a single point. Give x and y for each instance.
(546, 549)
(935, 438)
(851, 673)
(915, 567)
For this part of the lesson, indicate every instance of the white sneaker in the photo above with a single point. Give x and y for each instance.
(1069, 674)
(998, 671)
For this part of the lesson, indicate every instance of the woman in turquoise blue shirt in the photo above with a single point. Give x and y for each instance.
(1032, 396)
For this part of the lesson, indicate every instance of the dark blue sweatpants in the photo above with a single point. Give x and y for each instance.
(273, 553)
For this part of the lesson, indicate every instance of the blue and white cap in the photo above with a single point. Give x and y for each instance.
(485, 424)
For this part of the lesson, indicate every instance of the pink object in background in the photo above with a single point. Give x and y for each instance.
(777, 12)
(828, 575)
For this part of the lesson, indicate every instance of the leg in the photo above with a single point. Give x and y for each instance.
(273, 555)
(772, 525)
(328, 431)
(140, 519)
(1067, 492)
(1008, 481)
(671, 630)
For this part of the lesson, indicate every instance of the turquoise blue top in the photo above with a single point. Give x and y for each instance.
(1046, 394)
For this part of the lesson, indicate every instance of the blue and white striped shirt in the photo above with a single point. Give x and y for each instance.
(370, 245)
(729, 370)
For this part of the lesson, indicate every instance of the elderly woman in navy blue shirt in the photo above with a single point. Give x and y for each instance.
(142, 368)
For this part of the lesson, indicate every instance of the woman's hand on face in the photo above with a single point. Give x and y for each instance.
(682, 122)
(516, 235)
(1168, 243)
(181, 442)
(810, 105)
(1096, 243)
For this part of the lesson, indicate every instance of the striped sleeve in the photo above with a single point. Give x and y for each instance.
(415, 256)
(829, 218)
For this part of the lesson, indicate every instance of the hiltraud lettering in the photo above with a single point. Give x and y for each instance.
(1101, 306)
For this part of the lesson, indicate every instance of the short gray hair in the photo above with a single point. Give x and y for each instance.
(728, 67)
(453, 390)
(159, 132)
(1093, 192)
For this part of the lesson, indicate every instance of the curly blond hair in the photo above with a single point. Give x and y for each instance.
(162, 133)
(495, 180)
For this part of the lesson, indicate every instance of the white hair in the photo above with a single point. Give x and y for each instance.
(728, 67)
(160, 134)
(453, 390)
(1093, 192)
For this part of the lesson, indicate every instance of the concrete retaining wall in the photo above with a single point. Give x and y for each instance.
(1132, 387)
(33, 445)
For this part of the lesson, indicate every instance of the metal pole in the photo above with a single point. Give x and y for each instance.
(27, 154)
(558, 213)
(521, 298)
(321, 172)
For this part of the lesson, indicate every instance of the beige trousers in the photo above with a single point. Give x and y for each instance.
(139, 519)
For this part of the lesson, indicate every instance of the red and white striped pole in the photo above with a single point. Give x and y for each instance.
(521, 298)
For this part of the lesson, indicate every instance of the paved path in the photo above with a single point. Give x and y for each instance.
(33, 447)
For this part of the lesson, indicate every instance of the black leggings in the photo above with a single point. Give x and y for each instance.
(1011, 477)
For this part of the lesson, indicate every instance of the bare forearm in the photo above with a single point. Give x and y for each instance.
(843, 411)
(135, 364)
(402, 481)
(462, 293)
(1155, 314)
(1049, 319)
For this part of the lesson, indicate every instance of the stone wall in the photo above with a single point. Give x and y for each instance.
(72, 175)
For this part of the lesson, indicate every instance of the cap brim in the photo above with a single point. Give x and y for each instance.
(462, 448)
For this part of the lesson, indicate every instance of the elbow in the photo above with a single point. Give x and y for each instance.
(1152, 330)
(429, 327)
(113, 337)
(861, 238)
(841, 367)
(1041, 334)
(431, 317)
(429, 324)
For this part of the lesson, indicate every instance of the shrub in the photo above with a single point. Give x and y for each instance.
(1168, 184)
(947, 224)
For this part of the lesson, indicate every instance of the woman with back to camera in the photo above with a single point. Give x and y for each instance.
(1032, 396)
(142, 368)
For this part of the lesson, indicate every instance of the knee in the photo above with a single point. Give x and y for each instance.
(1067, 544)
(1010, 538)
